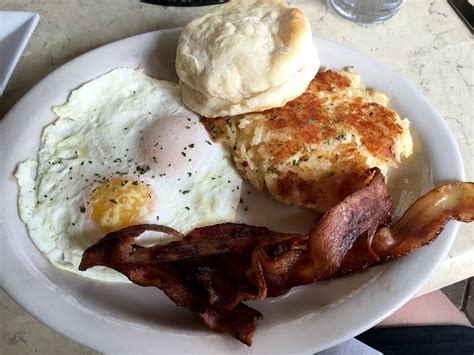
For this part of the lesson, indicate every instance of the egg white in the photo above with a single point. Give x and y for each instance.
(122, 124)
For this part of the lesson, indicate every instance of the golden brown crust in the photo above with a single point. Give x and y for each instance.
(294, 27)
(315, 150)
(352, 176)
(311, 120)
(329, 80)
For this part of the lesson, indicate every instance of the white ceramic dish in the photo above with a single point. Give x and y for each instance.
(118, 318)
(15, 31)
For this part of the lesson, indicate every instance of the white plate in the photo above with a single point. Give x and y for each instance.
(15, 31)
(126, 318)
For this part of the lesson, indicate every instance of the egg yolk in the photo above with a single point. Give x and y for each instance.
(119, 203)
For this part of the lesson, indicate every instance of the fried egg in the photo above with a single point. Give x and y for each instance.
(123, 150)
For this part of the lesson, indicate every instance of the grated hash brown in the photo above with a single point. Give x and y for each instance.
(317, 149)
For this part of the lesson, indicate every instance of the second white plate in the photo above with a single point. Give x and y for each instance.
(15, 31)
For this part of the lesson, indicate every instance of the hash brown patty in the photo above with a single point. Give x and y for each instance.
(317, 149)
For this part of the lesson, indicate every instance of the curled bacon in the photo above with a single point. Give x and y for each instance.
(419, 226)
(319, 255)
(179, 269)
(213, 269)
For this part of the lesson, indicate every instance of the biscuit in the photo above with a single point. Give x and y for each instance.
(245, 56)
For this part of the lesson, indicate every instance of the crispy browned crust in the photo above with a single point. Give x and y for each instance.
(321, 122)
(308, 120)
(327, 192)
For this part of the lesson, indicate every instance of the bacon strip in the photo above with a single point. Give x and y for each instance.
(213, 269)
(360, 213)
(240, 321)
(220, 239)
(119, 247)
(419, 226)
(178, 279)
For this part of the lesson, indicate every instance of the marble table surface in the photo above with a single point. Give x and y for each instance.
(425, 42)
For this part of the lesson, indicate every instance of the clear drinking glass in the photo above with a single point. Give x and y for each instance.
(366, 11)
